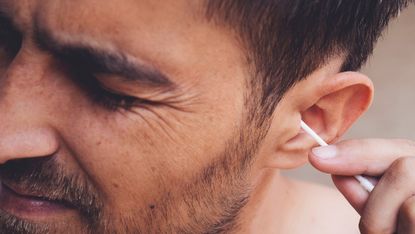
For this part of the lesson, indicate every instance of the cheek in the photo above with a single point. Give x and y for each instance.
(135, 159)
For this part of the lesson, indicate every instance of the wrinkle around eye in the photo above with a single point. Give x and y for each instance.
(163, 122)
(178, 99)
(168, 104)
(167, 116)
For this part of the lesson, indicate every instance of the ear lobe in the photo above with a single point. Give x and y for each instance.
(340, 100)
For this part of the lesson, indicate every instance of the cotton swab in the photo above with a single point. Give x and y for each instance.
(366, 184)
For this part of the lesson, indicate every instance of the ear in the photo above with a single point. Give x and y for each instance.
(328, 104)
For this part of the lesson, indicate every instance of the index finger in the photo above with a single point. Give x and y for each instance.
(354, 157)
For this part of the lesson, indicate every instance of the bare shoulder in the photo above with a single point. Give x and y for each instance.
(327, 211)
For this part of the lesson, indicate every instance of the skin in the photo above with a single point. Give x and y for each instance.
(174, 162)
(390, 206)
(147, 151)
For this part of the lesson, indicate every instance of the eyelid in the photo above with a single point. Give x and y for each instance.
(113, 99)
(122, 94)
(117, 83)
(101, 87)
(98, 92)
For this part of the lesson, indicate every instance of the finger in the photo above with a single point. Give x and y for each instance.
(354, 157)
(406, 218)
(394, 188)
(351, 189)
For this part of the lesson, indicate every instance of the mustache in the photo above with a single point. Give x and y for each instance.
(46, 178)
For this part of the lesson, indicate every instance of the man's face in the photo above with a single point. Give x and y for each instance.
(119, 116)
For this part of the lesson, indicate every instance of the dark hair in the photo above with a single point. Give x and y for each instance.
(286, 40)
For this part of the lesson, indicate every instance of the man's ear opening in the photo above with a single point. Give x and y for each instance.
(340, 101)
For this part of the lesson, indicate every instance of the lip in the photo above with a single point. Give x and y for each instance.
(22, 204)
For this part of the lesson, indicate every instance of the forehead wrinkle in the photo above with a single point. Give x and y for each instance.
(20, 12)
(63, 39)
(77, 39)
(112, 55)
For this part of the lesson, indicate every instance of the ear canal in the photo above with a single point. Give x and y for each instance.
(312, 117)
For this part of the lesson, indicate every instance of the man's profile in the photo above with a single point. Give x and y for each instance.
(139, 116)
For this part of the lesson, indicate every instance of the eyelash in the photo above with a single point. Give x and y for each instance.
(113, 100)
(104, 96)
(10, 42)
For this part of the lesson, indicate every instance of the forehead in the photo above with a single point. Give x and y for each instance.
(116, 15)
(106, 19)
(94, 10)
(167, 27)
(172, 36)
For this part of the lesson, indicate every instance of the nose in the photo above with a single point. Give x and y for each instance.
(27, 142)
(25, 110)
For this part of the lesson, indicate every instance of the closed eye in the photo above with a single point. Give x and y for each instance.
(99, 93)
(111, 99)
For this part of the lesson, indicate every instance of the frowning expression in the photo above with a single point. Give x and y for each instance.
(119, 116)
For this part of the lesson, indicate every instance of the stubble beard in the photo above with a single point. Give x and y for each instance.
(210, 202)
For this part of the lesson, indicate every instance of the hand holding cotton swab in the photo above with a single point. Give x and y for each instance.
(366, 184)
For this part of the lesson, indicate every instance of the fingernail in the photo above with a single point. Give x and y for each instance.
(325, 152)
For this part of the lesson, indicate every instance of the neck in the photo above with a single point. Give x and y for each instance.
(273, 205)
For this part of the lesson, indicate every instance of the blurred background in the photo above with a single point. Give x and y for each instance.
(392, 69)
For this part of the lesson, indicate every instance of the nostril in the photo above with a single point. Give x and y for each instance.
(27, 143)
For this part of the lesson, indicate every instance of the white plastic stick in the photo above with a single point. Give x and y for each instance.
(366, 184)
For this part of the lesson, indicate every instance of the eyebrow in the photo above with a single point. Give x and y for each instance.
(102, 60)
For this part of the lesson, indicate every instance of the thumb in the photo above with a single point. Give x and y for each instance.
(355, 157)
